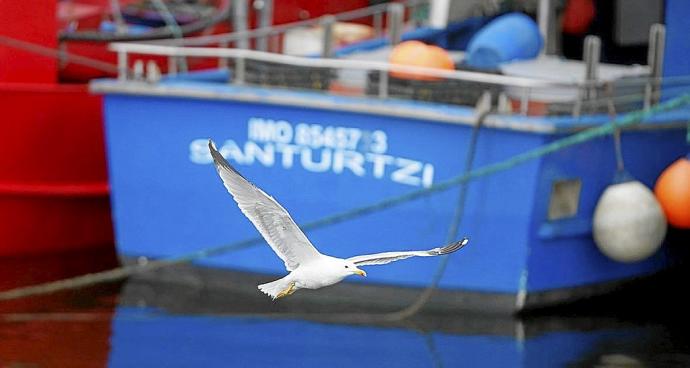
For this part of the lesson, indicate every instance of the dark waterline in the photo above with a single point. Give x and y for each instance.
(122, 325)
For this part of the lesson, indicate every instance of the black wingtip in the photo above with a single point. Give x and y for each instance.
(454, 247)
(217, 157)
(219, 160)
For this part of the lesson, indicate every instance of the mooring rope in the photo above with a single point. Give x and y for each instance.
(617, 144)
(453, 228)
(58, 54)
(627, 120)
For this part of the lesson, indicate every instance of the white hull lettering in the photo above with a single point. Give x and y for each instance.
(318, 148)
(397, 169)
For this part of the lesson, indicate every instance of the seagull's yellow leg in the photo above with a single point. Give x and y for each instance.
(291, 289)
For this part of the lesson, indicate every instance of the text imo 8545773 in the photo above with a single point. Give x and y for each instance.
(318, 148)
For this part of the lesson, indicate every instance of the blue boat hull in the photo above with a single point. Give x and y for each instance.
(318, 161)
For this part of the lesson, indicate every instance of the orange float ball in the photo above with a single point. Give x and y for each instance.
(672, 189)
(416, 53)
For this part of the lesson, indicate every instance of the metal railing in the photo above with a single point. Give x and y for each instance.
(125, 49)
(591, 95)
(522, 89)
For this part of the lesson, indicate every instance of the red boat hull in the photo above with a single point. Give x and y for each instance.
(53, 177)
(286, 11)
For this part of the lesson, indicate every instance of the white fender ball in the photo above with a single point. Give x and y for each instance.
(629, 224)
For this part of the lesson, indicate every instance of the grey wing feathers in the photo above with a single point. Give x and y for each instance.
(268, 216)
(450, 248)
(388, 257)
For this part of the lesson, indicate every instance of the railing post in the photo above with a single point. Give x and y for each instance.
(138, 72)
(240, 25)
(172, 65)
(655, 60)
(577, 107)
(240, 70)
(544, 17)
(122, 65)
(383, 83)
(396, 18)
(327, 22)
(223, 62)
(264, 9)
(503, 104)
(240, 22)
(592, 56)
(524, 101)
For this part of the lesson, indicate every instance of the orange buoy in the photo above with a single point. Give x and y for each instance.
(672, 189)
(416, 53)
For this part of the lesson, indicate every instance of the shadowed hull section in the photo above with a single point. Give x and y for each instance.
(189, 284)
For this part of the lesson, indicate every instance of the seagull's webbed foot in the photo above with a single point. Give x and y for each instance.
(291, 289)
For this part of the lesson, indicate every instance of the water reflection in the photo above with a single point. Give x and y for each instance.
(70, 329)
(140, 323)
(149, 338)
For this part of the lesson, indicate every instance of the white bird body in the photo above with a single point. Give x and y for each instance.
(323, 272)
(308, 268)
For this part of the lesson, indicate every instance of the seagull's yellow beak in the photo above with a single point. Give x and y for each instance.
(360, 272)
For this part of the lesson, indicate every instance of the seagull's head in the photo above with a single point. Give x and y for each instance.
(349, 268)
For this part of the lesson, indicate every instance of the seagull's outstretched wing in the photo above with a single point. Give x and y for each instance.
(388, 257)
(268, 216)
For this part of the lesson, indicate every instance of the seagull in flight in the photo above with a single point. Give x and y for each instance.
(307, 267)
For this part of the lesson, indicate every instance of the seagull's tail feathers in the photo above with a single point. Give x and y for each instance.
(275, 288)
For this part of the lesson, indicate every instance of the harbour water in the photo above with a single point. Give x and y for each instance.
(137, 323)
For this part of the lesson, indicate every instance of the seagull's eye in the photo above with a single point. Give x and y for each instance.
(346, 266)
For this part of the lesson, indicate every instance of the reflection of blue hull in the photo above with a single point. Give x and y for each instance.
(169, 201)
(149, 338)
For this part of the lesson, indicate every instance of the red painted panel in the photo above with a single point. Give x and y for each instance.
(293, 10)
(285, 11)
(31, 21)
(53, 177)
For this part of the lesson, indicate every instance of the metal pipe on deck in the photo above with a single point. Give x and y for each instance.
(438, 13)
(544, 16)
(116, 11)
(240, 25)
